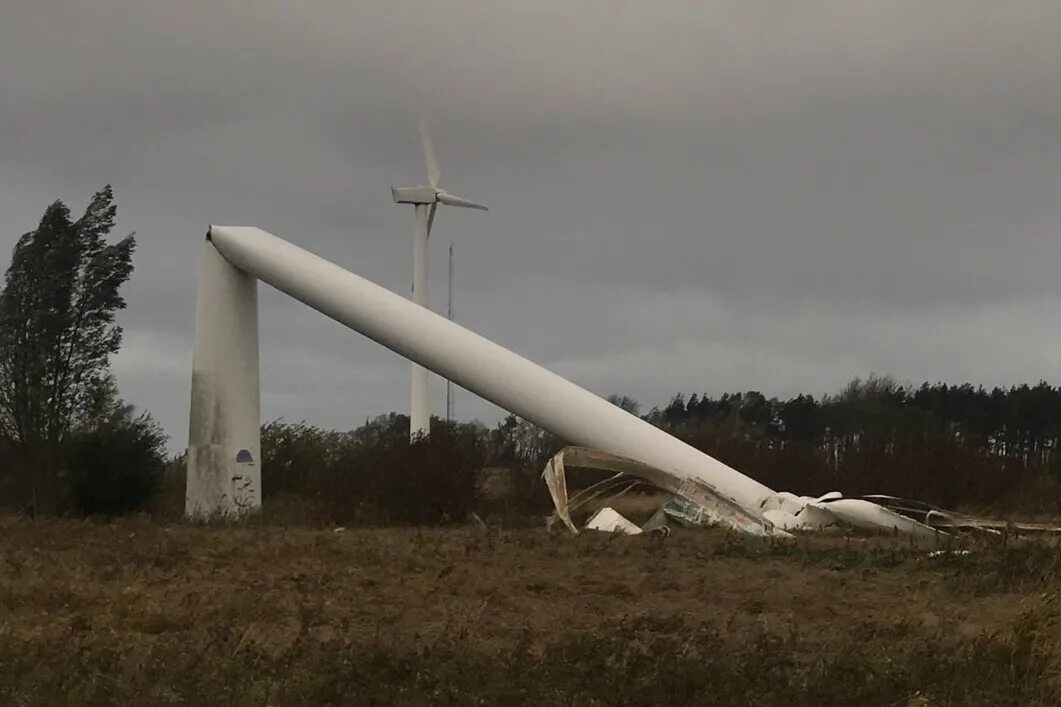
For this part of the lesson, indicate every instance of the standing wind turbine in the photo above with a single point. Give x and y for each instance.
(425, 201)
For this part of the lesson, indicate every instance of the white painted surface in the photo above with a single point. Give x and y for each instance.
(815, 516)
(870, 516)
(609, 520)
(420, 390)
(224, 450)
(475, 363)
(782, 519)
(784, 501)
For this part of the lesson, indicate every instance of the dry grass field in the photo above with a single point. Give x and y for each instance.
(134, 612)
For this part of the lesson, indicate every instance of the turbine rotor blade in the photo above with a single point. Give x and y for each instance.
(451, 200)
(433, 173)
(431, 217)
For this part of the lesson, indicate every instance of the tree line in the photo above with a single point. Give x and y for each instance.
(957, 446)
(948, 444)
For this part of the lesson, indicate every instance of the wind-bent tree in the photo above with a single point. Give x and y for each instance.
(58, 332)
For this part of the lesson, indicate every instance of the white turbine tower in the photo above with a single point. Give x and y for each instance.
(425, 201)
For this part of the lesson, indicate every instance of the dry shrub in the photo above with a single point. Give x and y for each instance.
(636, 662)
(427, 481)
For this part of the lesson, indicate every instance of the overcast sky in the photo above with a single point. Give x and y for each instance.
(685, 196)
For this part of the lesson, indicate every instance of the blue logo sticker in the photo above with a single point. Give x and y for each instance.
(243, 456)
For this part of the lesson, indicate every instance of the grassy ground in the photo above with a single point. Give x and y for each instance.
(136, 613)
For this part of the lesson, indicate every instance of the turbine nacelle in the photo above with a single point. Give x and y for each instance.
(414, 195)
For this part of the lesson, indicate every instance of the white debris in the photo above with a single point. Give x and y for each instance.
(783, 519)
(870, 516)
(816, 516)
(941, 553)
(609, 520)
(791, 512)
(784, 501)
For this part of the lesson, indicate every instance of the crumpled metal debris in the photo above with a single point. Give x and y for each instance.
(697, 504)
(627, 474)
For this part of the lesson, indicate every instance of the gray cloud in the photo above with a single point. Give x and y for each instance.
(684, 196)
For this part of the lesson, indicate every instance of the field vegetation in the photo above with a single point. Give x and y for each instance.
(137, 612)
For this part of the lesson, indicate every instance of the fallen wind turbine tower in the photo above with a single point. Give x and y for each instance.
(224, 442)
(425, 201)
(224, 437)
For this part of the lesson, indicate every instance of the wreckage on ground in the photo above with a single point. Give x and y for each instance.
(695, 502)
(223, 478)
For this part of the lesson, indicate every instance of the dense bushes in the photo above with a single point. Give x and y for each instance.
(116, 468)
(296, 455)
(431, 480)
(111, 466)
(374, 474)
